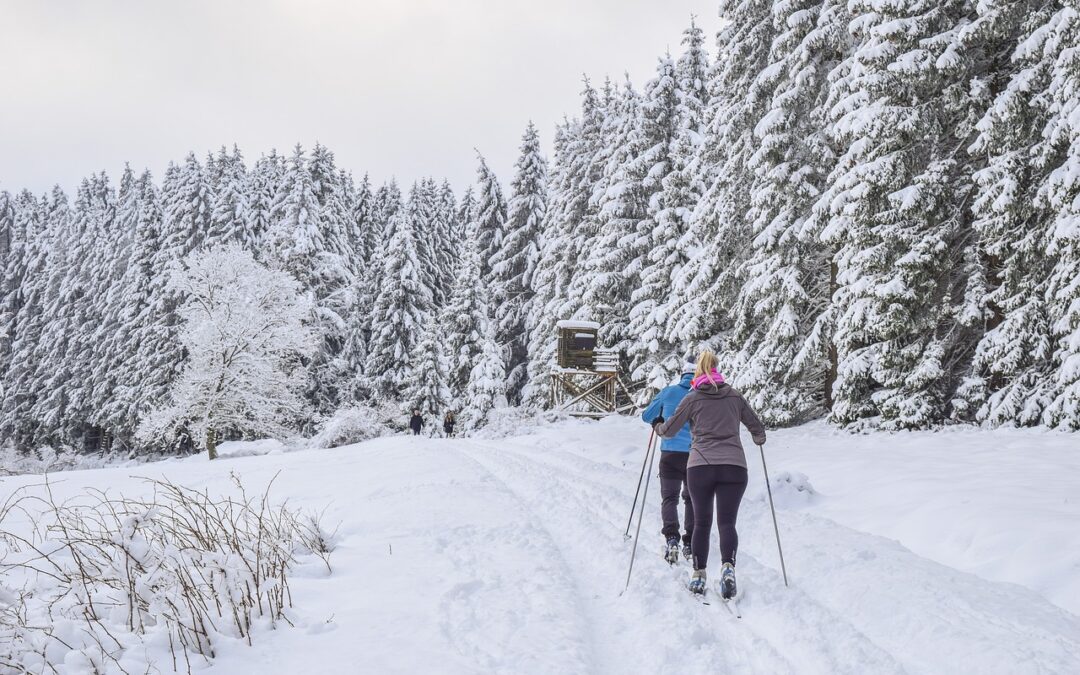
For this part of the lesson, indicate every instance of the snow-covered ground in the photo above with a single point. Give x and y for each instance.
(920, 553)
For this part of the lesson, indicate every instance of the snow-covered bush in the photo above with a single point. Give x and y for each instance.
(354, 424)
(110, 584)
(47, 459)
(790, 490)
(506, 421)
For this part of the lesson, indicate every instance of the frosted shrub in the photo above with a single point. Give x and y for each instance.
(352, 425)
(48, 459)
(110, 584)
(505, 422)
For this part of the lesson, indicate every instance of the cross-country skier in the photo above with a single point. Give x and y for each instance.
(416, 422)
(673, 455)
(716, 470)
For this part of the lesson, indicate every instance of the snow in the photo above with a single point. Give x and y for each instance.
(907, 553)
(584, 325)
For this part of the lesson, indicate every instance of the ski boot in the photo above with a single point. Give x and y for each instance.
(697, 582)
(671, 553)
(727, 581)
(686, 553)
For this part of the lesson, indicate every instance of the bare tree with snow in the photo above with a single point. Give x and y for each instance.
(245, 328)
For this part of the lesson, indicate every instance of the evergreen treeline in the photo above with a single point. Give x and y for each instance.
(91, 327)
(869, 208)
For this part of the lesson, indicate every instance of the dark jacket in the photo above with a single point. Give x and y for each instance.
(415, 422)
(714, 413)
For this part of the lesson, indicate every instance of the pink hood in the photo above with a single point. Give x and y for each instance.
(712, 376)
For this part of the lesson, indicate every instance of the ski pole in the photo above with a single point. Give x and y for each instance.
(648, 448)
(641, 512)
(776, 528)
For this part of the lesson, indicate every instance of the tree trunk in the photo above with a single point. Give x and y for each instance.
(830, 376)
(211, 443)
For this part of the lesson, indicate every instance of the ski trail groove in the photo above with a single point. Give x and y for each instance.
(874, 605)
(574, 652)
(644, 621)
(823, 640)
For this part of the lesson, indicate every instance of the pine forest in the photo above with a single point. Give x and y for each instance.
(870, 209)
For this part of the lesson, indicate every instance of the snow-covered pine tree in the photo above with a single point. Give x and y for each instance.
(466, 213)
(486, 389)
(421, 209)
(261, 191)
(364, 235)
(308, 239)
(426, 389)
(515, 262)
(894, 207)
(365, 269)
(22, 314)
(53, 373)
(7, 222)
(448, 231)
(613, 263)
(1060, 192)
(245, 330)
(139, 215)
(295, 237)
(111, 334)
(387, 204)
(536, 393)
(1012, 368)
(672, 110)
(714, 244)
(160, 354)
(576, 222)
(569, 232)
(398, 314)
(19, 229)
(490, 217)
(781, 362)
(229, 218)
(463, 317)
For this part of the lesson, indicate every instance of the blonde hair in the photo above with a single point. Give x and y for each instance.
(706, 363)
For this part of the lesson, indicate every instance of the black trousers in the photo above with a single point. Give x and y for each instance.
(723, 484)
(672, 486)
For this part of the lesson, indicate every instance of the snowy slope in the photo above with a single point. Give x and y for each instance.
(471, 556)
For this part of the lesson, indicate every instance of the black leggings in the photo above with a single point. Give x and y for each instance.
(725, 483)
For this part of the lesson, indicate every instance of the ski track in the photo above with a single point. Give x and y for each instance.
(794, 644)
(874, 607)
(532, 636)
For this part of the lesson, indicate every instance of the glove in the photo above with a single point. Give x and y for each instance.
(657, 422)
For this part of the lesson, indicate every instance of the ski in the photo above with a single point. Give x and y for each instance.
(731, 604)
(733, 607)
(700, 597)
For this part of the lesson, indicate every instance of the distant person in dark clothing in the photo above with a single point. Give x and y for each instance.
(448, 424)
(416, 423)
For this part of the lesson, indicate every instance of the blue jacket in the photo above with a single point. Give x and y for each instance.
(664, 406)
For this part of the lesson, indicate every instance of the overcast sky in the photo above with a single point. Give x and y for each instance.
(400, 88)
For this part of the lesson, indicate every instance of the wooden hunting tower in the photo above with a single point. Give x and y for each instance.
(585, 380)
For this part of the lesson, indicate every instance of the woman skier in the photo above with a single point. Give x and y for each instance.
(716, 470)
